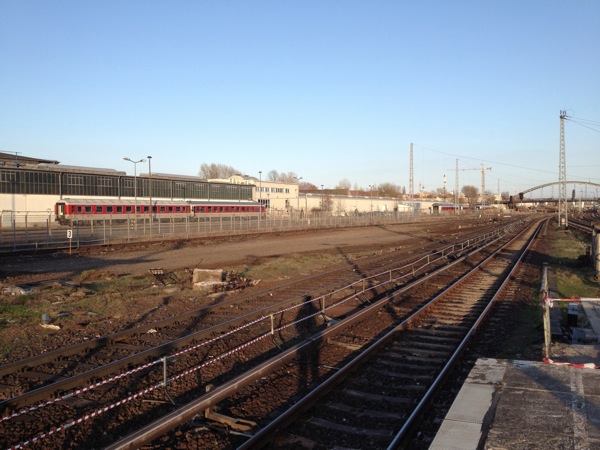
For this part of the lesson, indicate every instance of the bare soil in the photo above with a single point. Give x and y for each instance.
(98, 291)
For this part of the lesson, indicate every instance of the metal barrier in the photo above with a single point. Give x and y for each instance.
(23, 236)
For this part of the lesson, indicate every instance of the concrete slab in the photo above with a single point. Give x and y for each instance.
(456, 435)
(523, 404)
(592, 312)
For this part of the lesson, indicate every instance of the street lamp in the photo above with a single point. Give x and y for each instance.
(371, 195)
(322, 199)
(135, 163)
(260, 193)
(298, 194)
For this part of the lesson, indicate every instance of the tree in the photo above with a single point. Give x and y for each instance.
(489, 198)
(307, 186)
(289, 177)
(209, 171)
(505, 195)
(472, 194)
(277, 177)
(344, 184)
(388, 190)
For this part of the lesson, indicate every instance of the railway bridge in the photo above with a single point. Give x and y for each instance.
(584, 192)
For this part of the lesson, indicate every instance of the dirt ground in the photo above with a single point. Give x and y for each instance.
(95, 292)
(207, 253)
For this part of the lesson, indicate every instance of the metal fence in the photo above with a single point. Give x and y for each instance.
(24, 234)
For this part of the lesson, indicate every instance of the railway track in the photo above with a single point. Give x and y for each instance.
(357, 396)
(136, 362)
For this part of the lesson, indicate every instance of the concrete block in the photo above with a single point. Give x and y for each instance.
(207, 275)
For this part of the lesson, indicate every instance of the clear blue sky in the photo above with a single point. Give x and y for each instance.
(326, 89)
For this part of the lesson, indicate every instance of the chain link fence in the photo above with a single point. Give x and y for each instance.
(34, 231)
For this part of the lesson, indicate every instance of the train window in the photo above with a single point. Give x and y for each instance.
(109, 209)
(119, 209)
(99, 209)
(128, 209)
(177, 209)
(88, 209)
(162, 209)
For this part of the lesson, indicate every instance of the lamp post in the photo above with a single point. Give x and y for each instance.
(260, 193)
(322, 199)
(298, 194)
(371, 195)
(150, 187)
(135, 163)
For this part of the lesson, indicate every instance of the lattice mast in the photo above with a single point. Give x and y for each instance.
(483, 169)
(411, 180)
(563, 220)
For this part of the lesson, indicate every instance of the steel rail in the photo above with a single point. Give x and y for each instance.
(172, 420)
(409, 423)
(42, 392)
(261, 438)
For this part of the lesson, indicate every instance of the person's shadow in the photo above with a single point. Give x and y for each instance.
(308, 357)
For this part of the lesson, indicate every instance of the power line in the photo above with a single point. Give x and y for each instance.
(486, 160)
(583, 125)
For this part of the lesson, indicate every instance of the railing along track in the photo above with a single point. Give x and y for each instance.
(411, 340)
(136, 345)
(156, 352)
(322, 337)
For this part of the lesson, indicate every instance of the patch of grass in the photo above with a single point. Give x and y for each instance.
(574, 275)
(16, 313)
(288, 267)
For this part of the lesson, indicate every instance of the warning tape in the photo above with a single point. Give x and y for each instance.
(576, 366)
(573, 299)
(180, 375)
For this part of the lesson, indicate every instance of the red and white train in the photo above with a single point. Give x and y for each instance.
(70, 209)
(448, 208)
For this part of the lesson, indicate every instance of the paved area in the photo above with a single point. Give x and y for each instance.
(525, 405)
(507, 404)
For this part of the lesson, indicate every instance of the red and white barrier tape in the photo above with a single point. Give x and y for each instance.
(576, 366)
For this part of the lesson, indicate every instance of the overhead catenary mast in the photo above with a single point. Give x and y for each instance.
(563, 220)
(483, 169)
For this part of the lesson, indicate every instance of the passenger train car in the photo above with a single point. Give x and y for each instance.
(81, 209)
(448, 208)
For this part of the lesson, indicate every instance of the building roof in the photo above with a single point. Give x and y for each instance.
(15, 159)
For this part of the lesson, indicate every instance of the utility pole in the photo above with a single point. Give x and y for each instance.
(411, 179)
(483, 169)
(563, 220)
(444, 187)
